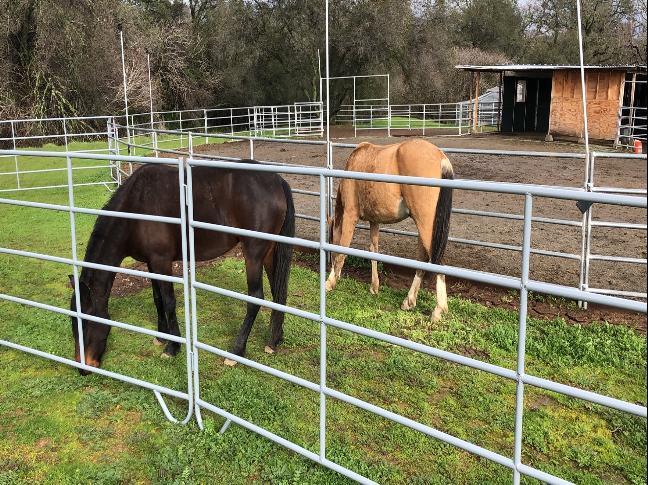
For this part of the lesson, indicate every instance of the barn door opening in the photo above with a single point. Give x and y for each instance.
(526, 104)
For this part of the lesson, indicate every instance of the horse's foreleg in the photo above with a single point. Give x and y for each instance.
(375, 282)
(410, 301)
(442, 298)
(346, 236)
(166, 305)
(162, 323)
(254, 270)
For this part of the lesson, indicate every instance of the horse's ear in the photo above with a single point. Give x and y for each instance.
(71, 282)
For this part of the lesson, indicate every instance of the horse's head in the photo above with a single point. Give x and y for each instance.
(95, 335)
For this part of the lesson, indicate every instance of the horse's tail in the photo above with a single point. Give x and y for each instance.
(442, 216)
(282, 260)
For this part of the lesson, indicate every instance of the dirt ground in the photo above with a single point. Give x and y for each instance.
(517, 169)
(547, 171)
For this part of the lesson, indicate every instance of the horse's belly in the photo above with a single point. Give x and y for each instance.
(385, 212)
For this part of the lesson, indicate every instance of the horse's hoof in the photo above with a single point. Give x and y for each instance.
(268, 350)
(158, 342)
(436, 315)
(164, 355)
(373, 291)
(407, 305)
(329, 285)
(229, 362)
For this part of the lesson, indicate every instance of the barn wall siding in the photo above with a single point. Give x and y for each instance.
(603, 91)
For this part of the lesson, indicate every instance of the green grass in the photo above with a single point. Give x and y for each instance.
(58, 427)
(404, 122)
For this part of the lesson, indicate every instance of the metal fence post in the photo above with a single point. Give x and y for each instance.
(423, 119)
(181, 136)
(75, 269)
(193, 298)
(322, 291)
(389, 114)
(205, 126)
(13, 140)
(586, 232)
(251, 149)
(231, 121)
(521, 349)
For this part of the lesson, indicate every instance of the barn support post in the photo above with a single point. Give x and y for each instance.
(631, 114)
(13, 141)
(617, 139)
(475, 121)
(499, 100)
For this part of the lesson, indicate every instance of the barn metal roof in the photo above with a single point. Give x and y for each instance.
(545, 67)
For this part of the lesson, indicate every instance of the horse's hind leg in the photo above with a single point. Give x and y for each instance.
(375, 282)
(410, 300)
(442, 298)
(253, 252)
(346, 236)
(277, 317)
(167, 304)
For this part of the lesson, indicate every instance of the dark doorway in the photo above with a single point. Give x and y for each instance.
(526, 104)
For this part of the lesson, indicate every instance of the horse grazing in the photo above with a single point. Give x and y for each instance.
(250, 200)
(388, 203)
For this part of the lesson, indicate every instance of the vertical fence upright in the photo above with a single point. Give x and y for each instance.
(521, 348)
(13, 142)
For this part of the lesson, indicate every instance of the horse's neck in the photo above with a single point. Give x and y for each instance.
(105, 247)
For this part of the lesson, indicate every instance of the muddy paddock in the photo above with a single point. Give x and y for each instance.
(520, 169)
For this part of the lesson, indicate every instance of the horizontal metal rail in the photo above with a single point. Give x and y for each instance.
(473, 185)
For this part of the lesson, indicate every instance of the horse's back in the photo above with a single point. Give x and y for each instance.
(420, 158)
(237, 198)
(390, 202)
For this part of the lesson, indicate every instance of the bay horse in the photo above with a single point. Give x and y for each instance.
(388, 203)
(256, 201)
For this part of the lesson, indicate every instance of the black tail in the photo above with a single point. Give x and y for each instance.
(442, 218)
(281, 262)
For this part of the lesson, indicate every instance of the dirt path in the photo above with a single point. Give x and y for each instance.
(519, 169)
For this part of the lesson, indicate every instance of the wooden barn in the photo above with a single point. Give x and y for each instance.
(547, 100)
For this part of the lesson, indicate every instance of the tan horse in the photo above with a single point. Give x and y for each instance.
(388, 203)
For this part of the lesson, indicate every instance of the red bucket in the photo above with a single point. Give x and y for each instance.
(638, 148)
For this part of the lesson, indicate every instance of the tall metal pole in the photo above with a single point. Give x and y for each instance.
(582, 73)
(586, 232)
(148, 65)
(121, 40)
(153, 134)
(329, 164)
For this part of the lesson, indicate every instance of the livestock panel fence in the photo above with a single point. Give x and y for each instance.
(522, 283)
(584, 258)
